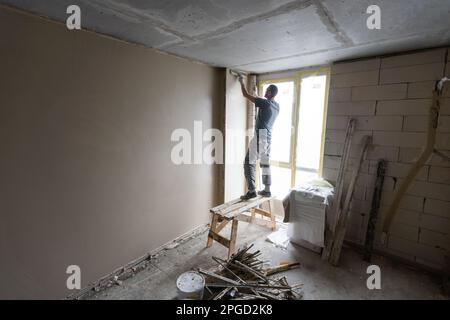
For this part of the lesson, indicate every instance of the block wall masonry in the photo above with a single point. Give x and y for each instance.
(390, 97)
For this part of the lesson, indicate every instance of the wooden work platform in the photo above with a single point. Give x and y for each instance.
(235, 211)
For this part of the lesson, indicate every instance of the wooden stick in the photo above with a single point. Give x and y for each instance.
(427, 151)
(240, 253)
(250, 270)
(221, 262)
(247, 285)
(246, 296)
(232, 243)
(343, 166)
(281, 268)
(341, 226)
(373, 216)
(216, 276)
(222, 293)
(214, 220)
(217, 237)
(270, 296)
(335, 209)
(441, 154)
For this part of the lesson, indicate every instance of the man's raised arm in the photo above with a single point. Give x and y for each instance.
(245, 92)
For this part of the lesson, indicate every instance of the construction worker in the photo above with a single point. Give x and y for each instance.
(259, 147)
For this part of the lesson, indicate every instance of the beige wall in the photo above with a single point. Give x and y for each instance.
(390, 98)
(235, 138)
(86, 174)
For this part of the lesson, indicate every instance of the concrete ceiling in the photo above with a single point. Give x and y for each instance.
(261, 35)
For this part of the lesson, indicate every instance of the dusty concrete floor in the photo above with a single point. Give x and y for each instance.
(321, 280)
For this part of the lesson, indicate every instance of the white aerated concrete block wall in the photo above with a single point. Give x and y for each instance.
(390, 98)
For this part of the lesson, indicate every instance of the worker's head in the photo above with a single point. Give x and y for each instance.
(271, 92)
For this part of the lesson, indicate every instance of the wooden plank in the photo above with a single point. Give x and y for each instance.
(225, 205)
(217, 276)
(232, 207)
(256, 273)
(217, 237)
(244, 218)
(221, 225)
(373, 216)
(281, 268)
(240, 206)
(253, 214)
(263, 212)
(258, 221)
(247, 285)
(234, 229)
(272, 217)
(338, 190)
(342, 167)
(341, 226)
(246, 207)
(215, 217)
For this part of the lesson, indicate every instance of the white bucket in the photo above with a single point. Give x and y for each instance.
(190, 286)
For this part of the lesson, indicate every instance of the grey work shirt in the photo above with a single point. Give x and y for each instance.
(267, 113)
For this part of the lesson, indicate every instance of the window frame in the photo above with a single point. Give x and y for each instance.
(297, 78)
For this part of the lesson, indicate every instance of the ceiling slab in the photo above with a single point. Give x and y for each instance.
(261, 35)
(200, 17)
(399, 18)
(291, 33)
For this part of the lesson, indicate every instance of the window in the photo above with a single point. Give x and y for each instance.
(298, 133)
(310, 127)
(282, 129)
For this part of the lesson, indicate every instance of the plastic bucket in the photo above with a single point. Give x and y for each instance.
(190, 286)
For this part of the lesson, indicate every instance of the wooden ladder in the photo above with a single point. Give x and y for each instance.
(234, 211)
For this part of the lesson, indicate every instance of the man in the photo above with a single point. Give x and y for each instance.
(259, 147)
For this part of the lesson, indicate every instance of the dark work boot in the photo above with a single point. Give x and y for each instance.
(249, 195)
(264, 193)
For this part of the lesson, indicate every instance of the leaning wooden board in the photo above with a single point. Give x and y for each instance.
(341, 225)
(336, 208)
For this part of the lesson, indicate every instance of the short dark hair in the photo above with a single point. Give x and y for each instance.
(273, 90)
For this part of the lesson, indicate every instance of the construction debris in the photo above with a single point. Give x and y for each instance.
(279, 238)
(121, 274)
(243, 277)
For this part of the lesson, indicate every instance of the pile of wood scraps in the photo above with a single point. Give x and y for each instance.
(242, 277)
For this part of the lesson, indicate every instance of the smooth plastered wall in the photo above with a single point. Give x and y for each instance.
(390, 98)
(85, 153)
(235, 137)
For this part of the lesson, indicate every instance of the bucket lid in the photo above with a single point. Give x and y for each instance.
(190, 281)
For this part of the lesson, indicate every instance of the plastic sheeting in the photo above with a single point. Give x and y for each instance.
(308, 205)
